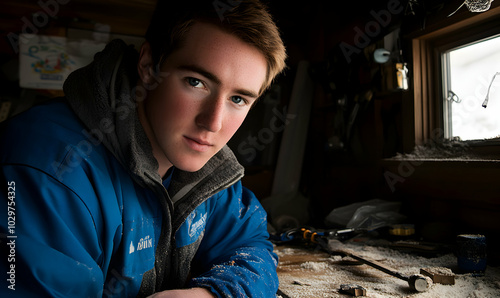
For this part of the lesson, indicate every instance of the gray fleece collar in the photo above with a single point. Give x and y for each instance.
(101, 94)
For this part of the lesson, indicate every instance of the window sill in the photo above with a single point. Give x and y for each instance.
(441, 162)
(474, 151)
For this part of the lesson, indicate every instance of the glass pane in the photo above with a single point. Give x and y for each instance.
(471, 69)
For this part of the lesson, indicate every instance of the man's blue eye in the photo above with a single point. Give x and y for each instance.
(237, 99)
(193, 82)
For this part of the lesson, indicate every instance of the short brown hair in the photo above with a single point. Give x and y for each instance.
(249, 20)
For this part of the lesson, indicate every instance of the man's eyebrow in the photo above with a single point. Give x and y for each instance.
(201, 71)
(247, 93)
(212, 77)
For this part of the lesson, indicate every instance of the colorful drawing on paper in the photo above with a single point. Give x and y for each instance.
(51, 63)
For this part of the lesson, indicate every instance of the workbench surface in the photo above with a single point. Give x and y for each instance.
(310, 272)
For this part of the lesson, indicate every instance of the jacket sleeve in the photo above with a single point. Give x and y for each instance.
(235, 255)
(53, 242)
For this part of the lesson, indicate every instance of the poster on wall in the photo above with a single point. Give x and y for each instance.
(46, 61)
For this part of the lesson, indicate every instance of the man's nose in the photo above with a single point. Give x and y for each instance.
(212, 114)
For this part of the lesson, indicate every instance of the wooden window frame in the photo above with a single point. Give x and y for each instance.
(424, 105)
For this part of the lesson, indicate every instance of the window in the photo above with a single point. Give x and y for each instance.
(469, 73)
(453, 63)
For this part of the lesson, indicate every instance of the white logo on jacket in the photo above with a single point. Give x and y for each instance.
(146, 242)
(195, 228)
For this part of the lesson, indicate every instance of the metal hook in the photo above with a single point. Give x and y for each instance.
(453, 97)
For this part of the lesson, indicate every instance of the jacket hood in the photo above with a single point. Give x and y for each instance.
(102, 96)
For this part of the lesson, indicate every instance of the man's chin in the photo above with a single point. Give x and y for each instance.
(190, 166)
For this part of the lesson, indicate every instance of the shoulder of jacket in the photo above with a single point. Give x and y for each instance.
(48, 137)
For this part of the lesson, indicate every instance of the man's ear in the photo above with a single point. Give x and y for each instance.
(145, 64)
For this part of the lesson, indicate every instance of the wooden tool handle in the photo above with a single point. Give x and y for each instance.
(377, 265)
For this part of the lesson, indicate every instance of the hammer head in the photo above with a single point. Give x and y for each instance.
(439, 275)
(419, 283)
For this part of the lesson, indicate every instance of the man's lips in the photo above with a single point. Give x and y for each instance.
(201, 142)
(197, 144)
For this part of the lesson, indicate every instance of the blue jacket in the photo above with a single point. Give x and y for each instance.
(88, 221)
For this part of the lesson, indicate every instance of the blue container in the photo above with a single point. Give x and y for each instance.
(471, 253)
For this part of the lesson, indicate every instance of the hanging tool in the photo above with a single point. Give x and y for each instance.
(485, 102)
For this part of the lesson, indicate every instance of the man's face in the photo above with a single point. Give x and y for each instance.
(207, 88)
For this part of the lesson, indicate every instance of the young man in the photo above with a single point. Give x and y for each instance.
(126, 187)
